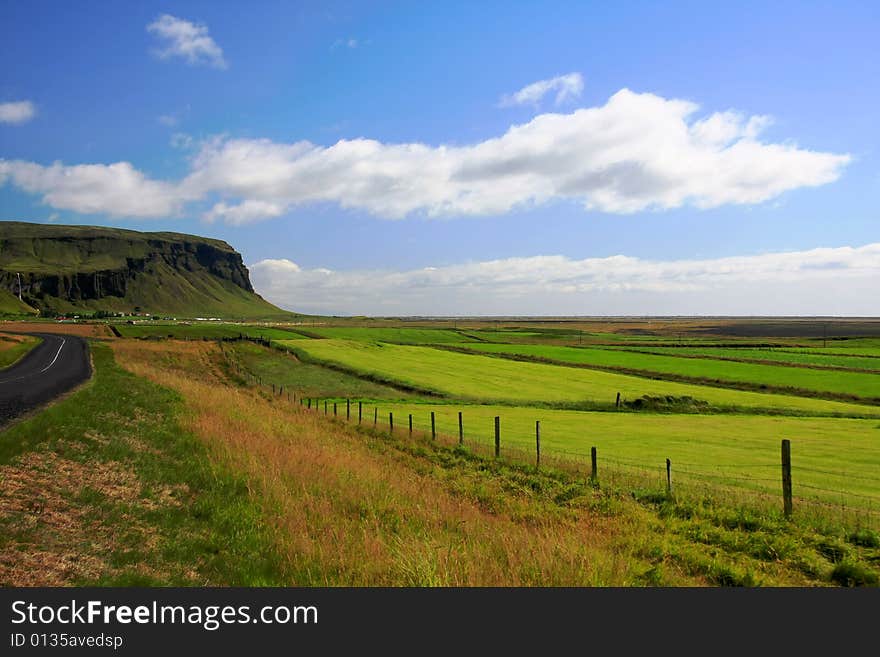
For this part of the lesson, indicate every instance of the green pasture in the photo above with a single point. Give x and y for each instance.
(860, 384)
(783, 356)
(489, 379)
(399, 335)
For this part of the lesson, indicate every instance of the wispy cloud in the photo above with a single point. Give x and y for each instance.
(190, 41)
(350, 42)
(168, 120)
(17, 113)
(819, 281)
(566, 87)
(636, 152)
(246, 212)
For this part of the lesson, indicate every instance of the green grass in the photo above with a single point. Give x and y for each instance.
(871, 352)
(10, 305)
(857, 384)
(486, 378)
(199, 330)
(214, 536)
(783, 356)
(11, 351)
(397, 335)
(307, 379)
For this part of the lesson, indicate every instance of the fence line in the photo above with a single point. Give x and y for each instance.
(683, 471)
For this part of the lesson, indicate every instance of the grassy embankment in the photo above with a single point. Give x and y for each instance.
(14, 347)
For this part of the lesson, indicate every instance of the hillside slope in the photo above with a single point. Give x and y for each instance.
(88, 268)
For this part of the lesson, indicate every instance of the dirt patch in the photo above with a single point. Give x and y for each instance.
(56, 518)
(82, 330)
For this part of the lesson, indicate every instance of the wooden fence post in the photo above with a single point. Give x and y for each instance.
(433, 427)
(391, 423)
(537, 444)
(410, 425)
(668, 476)
(786, 478)
(497, 436)
(334, 409)
(594, 474)
(617, 403)
(460, 430)
(310, 403)
(360, 411)
(347, 410)
(325, 407)
(375, 416)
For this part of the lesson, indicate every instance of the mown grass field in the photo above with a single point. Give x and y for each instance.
(14, 347)
(857, 384)
(485, 378)
(782, 356)
(403, 335)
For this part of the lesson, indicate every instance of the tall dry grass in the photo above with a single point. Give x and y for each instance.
(354, 509)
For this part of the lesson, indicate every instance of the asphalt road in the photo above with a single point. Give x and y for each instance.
(57, 364)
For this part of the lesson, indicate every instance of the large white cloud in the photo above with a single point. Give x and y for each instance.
(182, 38)
(839, 281)
(637, 152)
(17, 112)
(567, 87)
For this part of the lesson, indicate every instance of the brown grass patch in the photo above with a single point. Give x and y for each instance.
(82, 330)
(53, 536)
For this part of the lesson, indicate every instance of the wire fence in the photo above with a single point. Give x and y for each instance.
(747, 484)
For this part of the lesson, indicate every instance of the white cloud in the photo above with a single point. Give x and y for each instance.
(246, 212)
(832, 281)
(18, 112)
(347, 43)
(191, 41)
(181, 140)
(116, 189)
(567, 87)
(637, 152)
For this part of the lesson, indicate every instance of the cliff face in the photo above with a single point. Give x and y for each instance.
(68, 267)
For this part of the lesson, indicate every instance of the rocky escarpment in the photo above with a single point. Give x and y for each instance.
(57, 268)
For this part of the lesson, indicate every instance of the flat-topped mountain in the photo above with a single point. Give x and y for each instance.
(67, 269)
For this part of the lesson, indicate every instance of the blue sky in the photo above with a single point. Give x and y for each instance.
(409, 181)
